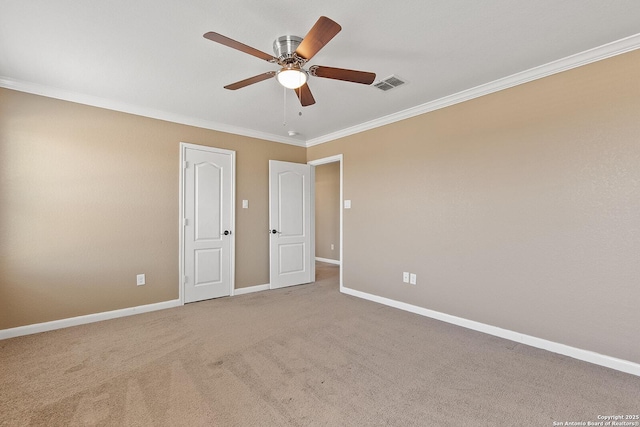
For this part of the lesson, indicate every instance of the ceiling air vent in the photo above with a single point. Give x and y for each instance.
(389, 83)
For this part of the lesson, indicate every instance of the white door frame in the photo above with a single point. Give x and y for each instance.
(325, 160)
(181, 216)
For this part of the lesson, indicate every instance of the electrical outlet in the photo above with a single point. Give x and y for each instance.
(140, 280)
(405, 277)
(412, 279)
(332, 247)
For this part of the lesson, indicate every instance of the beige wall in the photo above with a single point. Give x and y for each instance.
(519, 209)
(328, 210)
(89, 198)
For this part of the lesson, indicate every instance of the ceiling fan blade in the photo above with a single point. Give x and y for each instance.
(343, 74)
(219, 38)
(250, 80)
(319, 35)
(305, 96)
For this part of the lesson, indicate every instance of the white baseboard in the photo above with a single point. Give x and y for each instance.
(576, 353)
(97, 317)
(327, 260)
(89, 318)
(250, 289)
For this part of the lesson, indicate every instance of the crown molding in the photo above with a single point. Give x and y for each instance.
(95, 101)
(605, 51)
(608, 50)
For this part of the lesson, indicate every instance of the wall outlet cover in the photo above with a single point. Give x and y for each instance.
(140, 279)
(405, 277)
(412, 279)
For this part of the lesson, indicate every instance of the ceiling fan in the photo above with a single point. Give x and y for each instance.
(291, 54)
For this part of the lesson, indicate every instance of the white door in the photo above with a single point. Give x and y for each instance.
(291, 206)
(208, 189)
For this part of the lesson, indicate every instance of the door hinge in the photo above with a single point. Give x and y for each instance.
(185, 279)
(185, 222)
(185, 164)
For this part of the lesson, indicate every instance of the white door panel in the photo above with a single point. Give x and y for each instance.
(208, 175)
(291, 220)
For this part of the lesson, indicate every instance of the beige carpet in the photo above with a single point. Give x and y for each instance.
(299, 356)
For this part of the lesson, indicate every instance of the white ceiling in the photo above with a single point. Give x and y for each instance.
(149, 56)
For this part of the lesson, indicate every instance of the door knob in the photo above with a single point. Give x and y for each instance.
(274, 231)
(226, 232)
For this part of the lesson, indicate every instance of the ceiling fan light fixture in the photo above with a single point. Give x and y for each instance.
(292, 78)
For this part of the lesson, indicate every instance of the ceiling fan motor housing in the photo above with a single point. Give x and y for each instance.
(284, 47)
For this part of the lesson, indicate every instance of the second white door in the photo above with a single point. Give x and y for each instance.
(291, 204)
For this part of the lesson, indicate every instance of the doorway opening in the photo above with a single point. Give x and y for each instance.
(329, 214)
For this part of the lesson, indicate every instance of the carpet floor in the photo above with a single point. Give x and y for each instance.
(300, 356)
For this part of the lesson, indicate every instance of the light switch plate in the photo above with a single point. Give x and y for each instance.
(347, 204)
(245, 204)
(405, 277)
(140, 280)
(412, 279)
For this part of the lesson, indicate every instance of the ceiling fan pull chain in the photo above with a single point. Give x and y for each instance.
(284, 111)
